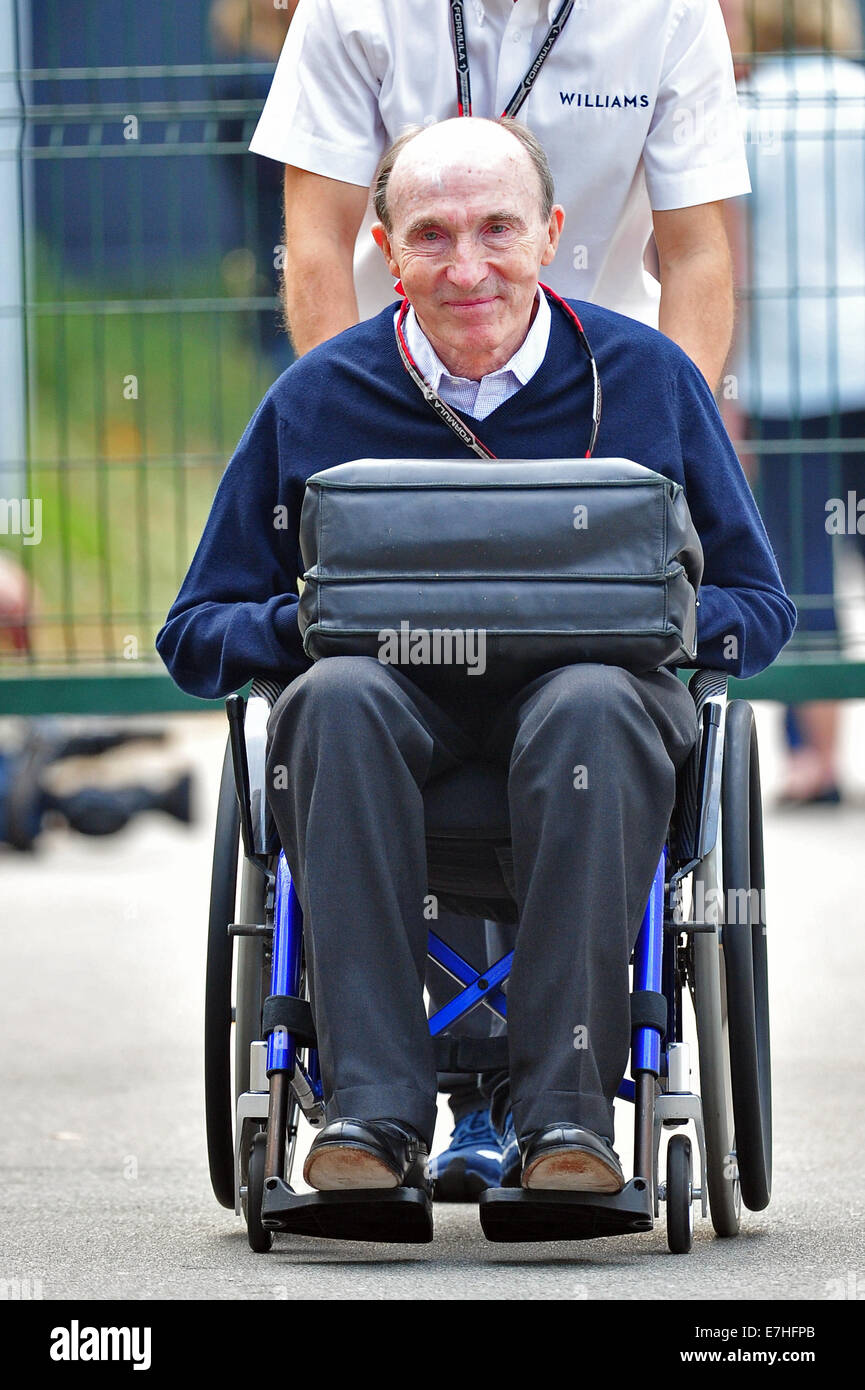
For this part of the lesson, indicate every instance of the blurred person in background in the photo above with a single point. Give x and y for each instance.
(800, 360)
(635, 105)
(251, 30)
(16, 606)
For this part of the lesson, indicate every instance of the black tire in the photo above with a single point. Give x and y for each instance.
(218, 1103)
(259, 1239)
(680, 1211)
(745, 955)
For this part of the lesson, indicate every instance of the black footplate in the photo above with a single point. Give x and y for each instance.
(512, 1214)
(401, 1216)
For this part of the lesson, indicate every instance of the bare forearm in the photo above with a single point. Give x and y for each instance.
(322, 218)
(697, 309)
(319, 295)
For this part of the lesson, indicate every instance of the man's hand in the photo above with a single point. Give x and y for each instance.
(696, 284)
(322, 219)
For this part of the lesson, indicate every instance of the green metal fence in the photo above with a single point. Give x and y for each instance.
(139, 328)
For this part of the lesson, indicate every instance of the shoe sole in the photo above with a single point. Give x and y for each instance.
(343, 1167)
(572, 1170)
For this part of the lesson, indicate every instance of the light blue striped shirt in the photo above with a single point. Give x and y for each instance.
(480, 398)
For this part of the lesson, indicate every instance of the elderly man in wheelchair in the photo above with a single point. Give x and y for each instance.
(572, 762)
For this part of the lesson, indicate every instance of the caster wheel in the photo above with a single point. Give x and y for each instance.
(260, 1240)
(680, 1211)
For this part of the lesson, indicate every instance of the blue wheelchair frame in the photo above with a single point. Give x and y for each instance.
(596, 1214)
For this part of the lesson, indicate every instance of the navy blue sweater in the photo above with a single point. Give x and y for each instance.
(236, 613)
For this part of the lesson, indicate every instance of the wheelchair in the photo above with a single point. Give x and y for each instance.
(689, 949)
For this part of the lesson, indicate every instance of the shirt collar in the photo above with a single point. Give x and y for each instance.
(524, 363)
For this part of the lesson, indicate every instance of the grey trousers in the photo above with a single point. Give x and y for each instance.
(592, 753)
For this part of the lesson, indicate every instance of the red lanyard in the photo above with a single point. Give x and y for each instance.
(461, 55)
(456, 422)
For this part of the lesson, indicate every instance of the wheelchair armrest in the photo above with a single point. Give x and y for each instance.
(249, 754)
(699, 796)
(263, 695)
(255, 738)
(707, 685)
(269, 690)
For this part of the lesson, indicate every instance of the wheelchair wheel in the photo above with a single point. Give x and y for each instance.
(709, 992)
(679, 1192)
(217, 994)
(745, 956)
(260, 1240)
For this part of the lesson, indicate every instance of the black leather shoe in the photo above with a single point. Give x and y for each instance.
(567, 1158)
(366, 1154)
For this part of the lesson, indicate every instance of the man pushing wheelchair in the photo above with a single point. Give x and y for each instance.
(478, 359)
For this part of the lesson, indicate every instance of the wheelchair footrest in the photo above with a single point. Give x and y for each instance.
(513, 1214)
(401, 1216)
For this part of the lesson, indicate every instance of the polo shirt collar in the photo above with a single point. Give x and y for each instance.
(524, 363)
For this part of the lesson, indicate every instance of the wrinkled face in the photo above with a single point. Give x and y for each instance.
(468, 240)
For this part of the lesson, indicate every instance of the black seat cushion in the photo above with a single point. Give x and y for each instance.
(469, 802)
(469, 859)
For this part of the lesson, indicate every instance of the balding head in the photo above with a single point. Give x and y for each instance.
(441, 144)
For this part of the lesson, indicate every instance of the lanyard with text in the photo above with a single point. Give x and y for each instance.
(456, 422)
(461, 53)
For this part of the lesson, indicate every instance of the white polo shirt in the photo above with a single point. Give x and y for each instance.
(635, 106)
